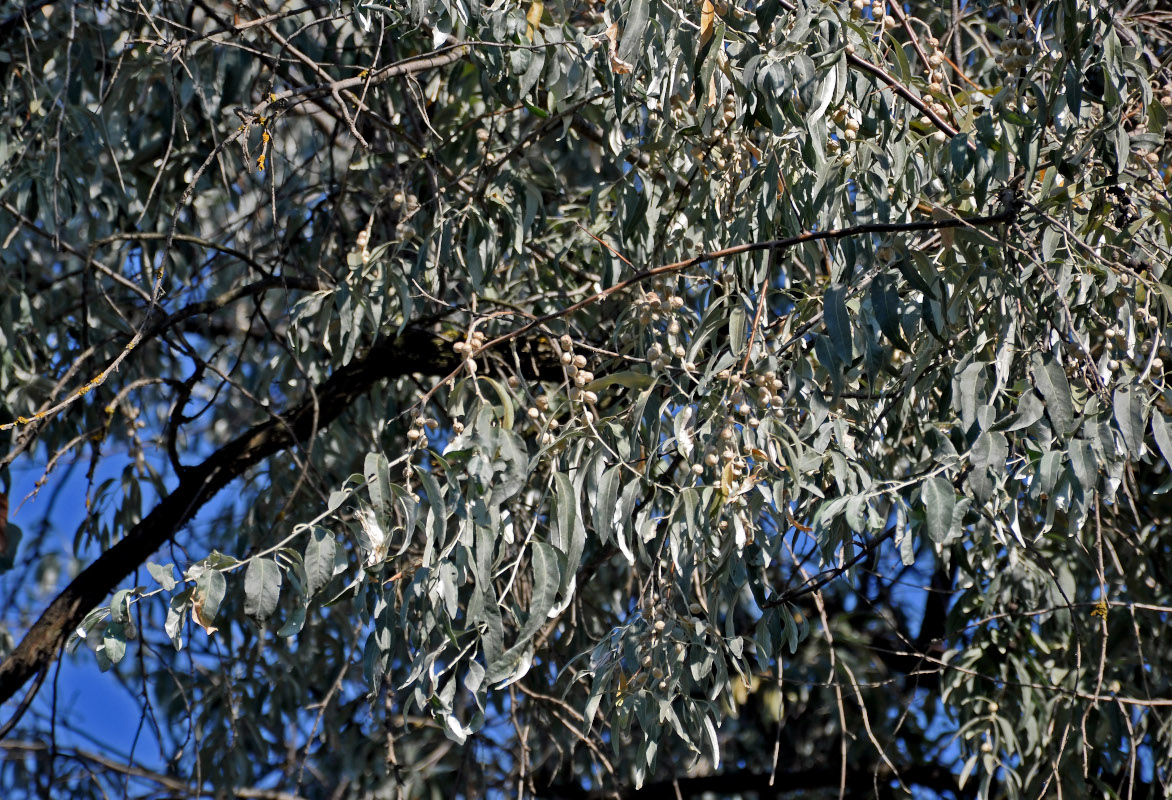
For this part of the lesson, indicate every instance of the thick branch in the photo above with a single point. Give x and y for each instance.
(415, 351)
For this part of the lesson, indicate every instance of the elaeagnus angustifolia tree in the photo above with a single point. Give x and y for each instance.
(581, 400)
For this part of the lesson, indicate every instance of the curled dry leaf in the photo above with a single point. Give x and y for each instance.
(707, 19)
(617, 65)
(197, 615)
(533, 18)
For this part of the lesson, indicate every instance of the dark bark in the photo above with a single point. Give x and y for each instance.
(415, 351)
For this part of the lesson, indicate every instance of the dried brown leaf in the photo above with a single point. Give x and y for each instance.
(617, 65)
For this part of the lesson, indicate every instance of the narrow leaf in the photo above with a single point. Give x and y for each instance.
(114, 639)
(378, 482)
(1129, 418)
(262, 587)
(1050, 378)
(885, 305)
(319, 560)
(546, 578)
(939, 499)
(1084, 464)
(571, 530)
(209, 593)
(603, 512)
(838, 322)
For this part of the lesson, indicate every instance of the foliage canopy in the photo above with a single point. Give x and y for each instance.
(560, 399)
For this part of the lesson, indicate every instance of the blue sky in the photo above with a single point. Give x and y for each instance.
(96, 702)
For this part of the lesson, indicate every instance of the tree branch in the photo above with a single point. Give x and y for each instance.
(19, 749)
(416, 351)
(823, 578)
(1007, 214)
